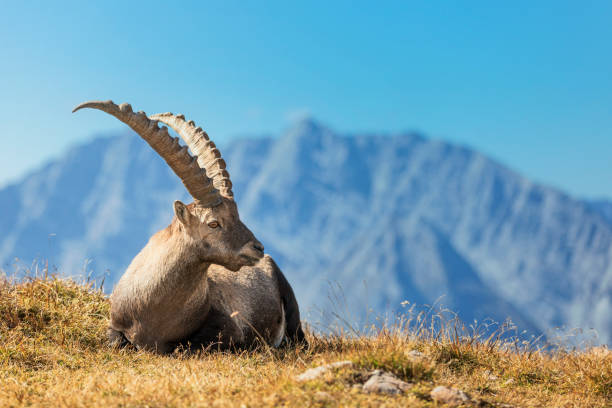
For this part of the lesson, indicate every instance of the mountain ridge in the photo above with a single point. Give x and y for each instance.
(402, 212)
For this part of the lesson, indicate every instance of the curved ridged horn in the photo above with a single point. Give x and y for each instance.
(208, 156)
(178, 158)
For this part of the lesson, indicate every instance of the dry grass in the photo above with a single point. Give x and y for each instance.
(53, 353)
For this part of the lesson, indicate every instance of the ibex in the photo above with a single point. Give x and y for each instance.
(204, 280)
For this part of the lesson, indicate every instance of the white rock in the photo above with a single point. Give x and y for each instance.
(385, 383)
(447, 395)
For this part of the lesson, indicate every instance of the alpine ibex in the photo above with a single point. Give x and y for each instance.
(204, 280)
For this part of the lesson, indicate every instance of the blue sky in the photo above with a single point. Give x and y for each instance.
(528, 83)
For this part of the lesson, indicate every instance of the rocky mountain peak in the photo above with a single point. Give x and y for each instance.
(387, 217)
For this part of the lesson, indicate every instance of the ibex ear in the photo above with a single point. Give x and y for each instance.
(181, 212)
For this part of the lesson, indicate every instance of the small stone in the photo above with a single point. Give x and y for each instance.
(415, 354)
(385, 383)
(509, 381)
(447, 395)
(322, 396)
(314, 373)
(490, 376)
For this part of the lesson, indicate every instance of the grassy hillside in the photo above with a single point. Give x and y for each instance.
(53, 353)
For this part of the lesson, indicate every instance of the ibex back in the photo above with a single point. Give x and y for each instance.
(204, 280)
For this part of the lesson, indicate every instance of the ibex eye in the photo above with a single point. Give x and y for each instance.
(213, 224)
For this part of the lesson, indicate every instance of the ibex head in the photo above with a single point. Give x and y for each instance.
(210, 225)
(218, 234)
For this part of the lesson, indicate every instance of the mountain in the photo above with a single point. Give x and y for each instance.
(386, 218)
(604, 207)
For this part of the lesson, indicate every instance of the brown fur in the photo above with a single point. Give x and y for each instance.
(175, 291)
